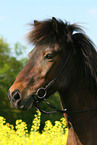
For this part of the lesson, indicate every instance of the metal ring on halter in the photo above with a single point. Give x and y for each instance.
(41, 93)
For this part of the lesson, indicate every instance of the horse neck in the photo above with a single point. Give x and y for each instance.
(78, 97)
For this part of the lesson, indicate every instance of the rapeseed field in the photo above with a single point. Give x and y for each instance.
(51, 135)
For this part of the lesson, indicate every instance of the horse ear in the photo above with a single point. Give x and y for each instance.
(36, 23)
(55, 25)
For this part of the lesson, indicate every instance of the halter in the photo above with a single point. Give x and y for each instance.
(41, 93)
(43, 90)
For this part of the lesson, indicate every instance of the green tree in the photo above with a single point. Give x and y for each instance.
(9, 68)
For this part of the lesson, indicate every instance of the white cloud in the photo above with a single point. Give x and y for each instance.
(92, 12)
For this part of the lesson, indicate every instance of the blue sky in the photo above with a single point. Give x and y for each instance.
(15, 15)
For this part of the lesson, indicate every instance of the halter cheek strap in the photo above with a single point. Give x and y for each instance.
(42, 92)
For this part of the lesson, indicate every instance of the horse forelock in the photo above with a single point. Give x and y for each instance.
(41, 33)
(51, 30)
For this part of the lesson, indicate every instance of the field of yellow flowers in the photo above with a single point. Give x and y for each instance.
(51, 134)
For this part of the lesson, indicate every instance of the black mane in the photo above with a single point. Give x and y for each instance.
(88, 58)
(52, 30)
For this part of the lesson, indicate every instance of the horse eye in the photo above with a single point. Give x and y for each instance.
(49, 56)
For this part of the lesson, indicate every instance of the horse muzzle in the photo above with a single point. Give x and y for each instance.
(18, 103)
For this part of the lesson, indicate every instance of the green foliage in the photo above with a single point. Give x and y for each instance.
(9, 69)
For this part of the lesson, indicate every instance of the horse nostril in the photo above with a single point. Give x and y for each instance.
(16, 96)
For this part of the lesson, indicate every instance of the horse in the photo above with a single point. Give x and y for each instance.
(65, 60)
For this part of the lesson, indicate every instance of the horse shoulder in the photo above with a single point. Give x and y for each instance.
(72, 137)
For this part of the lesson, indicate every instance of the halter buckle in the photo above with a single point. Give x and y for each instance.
(41, 93)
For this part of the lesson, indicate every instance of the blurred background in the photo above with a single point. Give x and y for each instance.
(15, 17)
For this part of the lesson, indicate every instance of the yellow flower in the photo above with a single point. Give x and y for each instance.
(51, 134)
